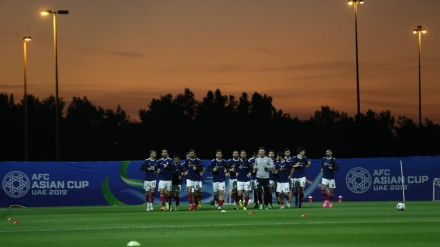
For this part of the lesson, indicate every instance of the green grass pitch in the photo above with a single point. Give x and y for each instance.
(346, 224)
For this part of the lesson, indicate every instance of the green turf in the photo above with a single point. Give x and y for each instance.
(346, 224)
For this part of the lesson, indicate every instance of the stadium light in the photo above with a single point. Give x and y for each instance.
(419, 30)
(26, 156)
(355, 4)
(57, 117)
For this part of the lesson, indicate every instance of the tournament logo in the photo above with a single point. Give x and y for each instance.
(358, 180)
(16, 184)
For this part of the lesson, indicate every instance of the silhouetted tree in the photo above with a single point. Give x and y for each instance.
(89, 132)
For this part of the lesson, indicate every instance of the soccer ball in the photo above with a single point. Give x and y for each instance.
(400, 206)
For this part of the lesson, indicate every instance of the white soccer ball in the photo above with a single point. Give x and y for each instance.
(400, 206)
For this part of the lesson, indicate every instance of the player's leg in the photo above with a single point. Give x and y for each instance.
(332, 186)
(255, 192)
(269, 195)
(289, 194)
(285, 189)
(168, 188)
(152, 194)
(162, 194)
(199, 193)
(189, 189)
(280, 195)
(221, 196)
(297, 186)
(177, 196)
(301, 195)
(246, 195)
(147, 195)
(215, 193)
(324, 184)
(260, 192)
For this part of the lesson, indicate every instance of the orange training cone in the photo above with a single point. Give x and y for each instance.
(339, 198)
(310, 199)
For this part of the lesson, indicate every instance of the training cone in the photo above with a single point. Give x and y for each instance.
(11, 219)
(304, 215)
(339, 198)
(133, 243)
(16, 222)
(251, 213)
(223, 211)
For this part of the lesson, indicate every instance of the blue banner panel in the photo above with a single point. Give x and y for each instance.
(34, 184)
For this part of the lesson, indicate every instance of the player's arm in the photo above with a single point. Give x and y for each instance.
(151, 167)
(211, 167)
(271, 164)
(292, 170)
(308, 162)
(201, 168)
(231, 167)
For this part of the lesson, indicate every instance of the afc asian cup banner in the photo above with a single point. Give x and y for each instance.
(34, 184)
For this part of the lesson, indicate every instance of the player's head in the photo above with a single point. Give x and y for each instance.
(271, 154)
(191, 153)
(280, 155)
(218, 154)
(329, 152)
(243, 154)
(176, 158)
(152, 153)
(235, 154)
(287, 152)
(261, 151)
(301, 150)
(164, 153)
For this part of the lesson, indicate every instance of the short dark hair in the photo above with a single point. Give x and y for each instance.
(300, 149)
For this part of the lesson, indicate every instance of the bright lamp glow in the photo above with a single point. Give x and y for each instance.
(45, 12)
(27, 38)
(351, 2)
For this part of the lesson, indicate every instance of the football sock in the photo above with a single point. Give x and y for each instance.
(152, 197)
(246, 200)
(269, 197)
(324, 195)
(255, 197)
(147, 197)
(198, 198)
(177, 199)
(190, 198)
(331, 198)
(162, 200)
(220, 203)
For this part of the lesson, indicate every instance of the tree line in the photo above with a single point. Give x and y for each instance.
(92, 133)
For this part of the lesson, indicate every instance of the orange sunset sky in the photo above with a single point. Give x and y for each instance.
(300, 52)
